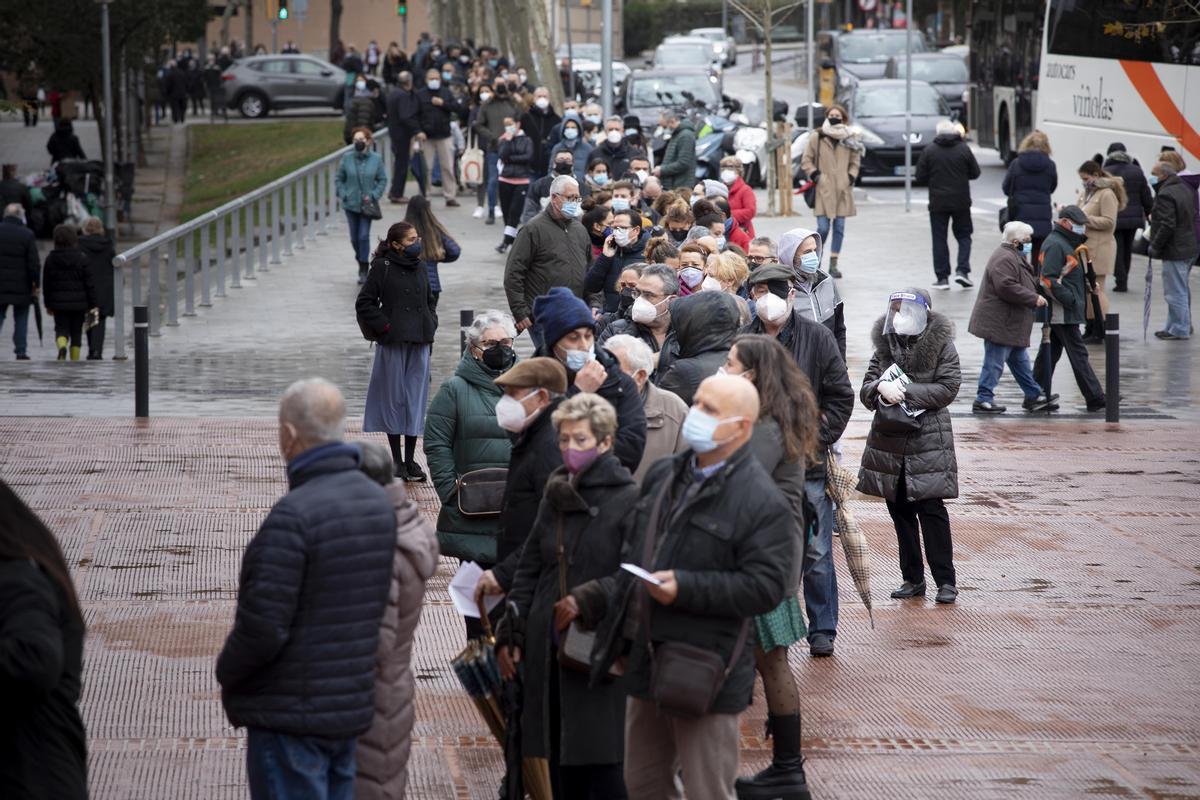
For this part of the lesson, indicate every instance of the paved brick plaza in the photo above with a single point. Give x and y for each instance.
(1068, 669)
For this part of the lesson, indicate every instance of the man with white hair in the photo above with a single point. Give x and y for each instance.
(1003, 318)
(948, 166)
(551, 250)
(19, 271)
(301, 685)
(665, 412)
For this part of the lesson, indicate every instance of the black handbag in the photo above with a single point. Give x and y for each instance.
(575, 645)
(480, 492)
(810, 194)
(370, 206)
(894, 420)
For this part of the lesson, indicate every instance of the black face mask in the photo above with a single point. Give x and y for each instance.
(626, 299)
(563, 168)
(597, 238)
(499, 358)
(360, 146)
(501, 90)
(835, 120)
(677, 235)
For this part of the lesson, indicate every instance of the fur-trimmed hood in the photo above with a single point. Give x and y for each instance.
(925, 348)
(1114, 182)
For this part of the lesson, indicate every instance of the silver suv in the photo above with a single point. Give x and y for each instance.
(258, 84)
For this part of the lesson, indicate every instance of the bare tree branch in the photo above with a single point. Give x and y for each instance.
(748, 13)
(786, 9)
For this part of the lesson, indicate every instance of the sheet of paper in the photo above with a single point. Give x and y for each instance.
(641, 573)
(462, 590)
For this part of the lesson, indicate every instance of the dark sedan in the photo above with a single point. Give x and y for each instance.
(945, 72)
(877, 108)
(650, 92)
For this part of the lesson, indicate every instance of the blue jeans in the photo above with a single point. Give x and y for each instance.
(819, 577)
(360, 235)
(491, 164)
(20, 327)
(1178, 296)
(995, 356)
(283, 767)
(839, 230)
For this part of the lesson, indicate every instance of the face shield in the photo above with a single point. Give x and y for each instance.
(907, 314)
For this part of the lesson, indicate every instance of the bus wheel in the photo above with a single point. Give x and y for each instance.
(1005, 148)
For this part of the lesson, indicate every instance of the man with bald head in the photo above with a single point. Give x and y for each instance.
(298, 668)
(719, 540)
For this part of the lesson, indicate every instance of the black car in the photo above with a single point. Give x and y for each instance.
(877, 108)
(862, 55)
(945, 72)
(649, 92)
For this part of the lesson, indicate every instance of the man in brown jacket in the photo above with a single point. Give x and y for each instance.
(1003, 318)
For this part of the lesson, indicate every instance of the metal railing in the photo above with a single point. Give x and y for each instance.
(220, 249)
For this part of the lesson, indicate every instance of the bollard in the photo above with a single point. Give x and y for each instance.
(1048, 367)
(1112, 368)
(141, 361)
(465, 317)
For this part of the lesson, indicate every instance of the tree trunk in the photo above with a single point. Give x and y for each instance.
(335, 24)
(543, 62)
(769, 112)
(230, 7)
(248, 12)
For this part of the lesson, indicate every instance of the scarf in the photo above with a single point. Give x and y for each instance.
(838, 132)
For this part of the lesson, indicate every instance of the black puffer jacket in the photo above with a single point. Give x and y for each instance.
(435, 120)
(1173, 235)
(314, 582)
(1138, 197)
(1029, 183)
(19, 262)
(100, 253)
(703, 326)
(67, 281)
(517, 156)
(731, 545)
(948, 167)
(926, 456)
(396, 303)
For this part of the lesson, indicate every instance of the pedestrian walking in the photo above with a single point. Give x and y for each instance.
(1063, 283)
(1003, 318)
(99, 251)
(909, 461)
(395, 305)
(68, 290)
(538, 122)
(553, 249)
(664, 411)
(175, 89)
(622, 248)
(495, 106)
(1132, 218)
(742, 203)
(577, 537)
(301, 686)
(404, 124)
(678, 167)
(516, 151)
(785, 439)
(677, 621)
(13, 190)
(41, 638)
(1101, 199)
(462, 437)
(437, 245)
(832, 159)
(1029, 185)
(1173, 241)
(439, 106)
(372, 58)
(20, 276)
(360, 182)
(63, 143)
(214, 87)
(817, 297)
(948, 167)
(704, 326)
(381, 757)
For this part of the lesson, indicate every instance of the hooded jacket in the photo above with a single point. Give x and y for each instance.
(1102, 202)
(743, 205)
(605, 271)
(1138, 197)
(678, 168)
(1173, 236)
(948, 167)
(67, 281)
(704, 326)
(925, 456)
(579, 148)
(1029, 183)
(63, 143)
(818, 299)
(1062, 276)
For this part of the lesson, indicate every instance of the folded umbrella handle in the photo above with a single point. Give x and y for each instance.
(486, 622)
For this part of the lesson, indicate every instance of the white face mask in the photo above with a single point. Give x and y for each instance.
(771, 308)
(621, 237)
(728, 176)
(643, 311)
(434, 84)
(485, 96)
(710, 284)
(542, 102)
(570, 133)
(642, 175)
(614, 137)
(510, 413)
(906, 322)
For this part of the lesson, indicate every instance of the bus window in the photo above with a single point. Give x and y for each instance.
(1163, 31)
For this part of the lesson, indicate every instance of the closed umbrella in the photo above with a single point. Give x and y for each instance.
(839, 484)
(1145, 298)
(37, 316)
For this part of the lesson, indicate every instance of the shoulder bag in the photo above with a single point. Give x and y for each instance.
(575, 644)
(480, 492)
(370, 206)
(471, 163)
(810, 194)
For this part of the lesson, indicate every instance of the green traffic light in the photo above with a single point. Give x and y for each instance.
(283, 13)
(402, 10)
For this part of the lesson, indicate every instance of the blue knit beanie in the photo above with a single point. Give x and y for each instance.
(558, 312)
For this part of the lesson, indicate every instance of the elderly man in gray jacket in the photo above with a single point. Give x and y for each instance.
(665, 412)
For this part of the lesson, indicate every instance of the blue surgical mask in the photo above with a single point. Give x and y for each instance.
(1027, 249)
(570, 133)
(413, 250)
(447, 76)
(720, 242)
(699, 428)
(571, 209)
(578, 359)
(600, 179)
(620, 204)
(1079, 228)
(1153, 180)
(810, 262)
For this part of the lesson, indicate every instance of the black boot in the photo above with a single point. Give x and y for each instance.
(362, 272)
(784, 779)
(1093, 331)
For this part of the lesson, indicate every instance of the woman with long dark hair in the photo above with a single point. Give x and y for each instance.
(396, 308)
(785, 438)
(41, 661)
(437, 246)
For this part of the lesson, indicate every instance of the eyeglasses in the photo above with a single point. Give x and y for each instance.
(488, 344)
(570, 198)
(621, 228)
(758, 260)
(651, 296)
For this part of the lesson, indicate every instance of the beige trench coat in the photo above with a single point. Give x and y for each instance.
(1101, 206)
(838, 166)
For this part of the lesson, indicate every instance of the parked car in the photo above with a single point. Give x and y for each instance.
(862, 55)
(945, 72)
(259, 84)
(877, 108)
(963, 51)
(687, 51)
(579, 51)
(650, 92)
(723, 43)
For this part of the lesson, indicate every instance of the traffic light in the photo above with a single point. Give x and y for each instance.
(401, 9)
(283, 9)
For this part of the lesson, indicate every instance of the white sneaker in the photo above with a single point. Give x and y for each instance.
(478, 212)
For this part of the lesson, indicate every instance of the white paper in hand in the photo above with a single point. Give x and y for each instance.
(462, 591)
(641, 573)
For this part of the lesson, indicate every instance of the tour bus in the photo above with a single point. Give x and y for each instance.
(1119, 71)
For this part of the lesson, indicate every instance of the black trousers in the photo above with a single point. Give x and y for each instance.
(915, 519)
(1124, 255)
(95, 339)
(512, 202)
(580, 781)
(1068, 337)
(959, 222)
(401, 149)
(70, 324)
(178, 109)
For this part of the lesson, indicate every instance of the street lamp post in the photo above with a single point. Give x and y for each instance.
(606, 90)
(908, 23)
(110, 200)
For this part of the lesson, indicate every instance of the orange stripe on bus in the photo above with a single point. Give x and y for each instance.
(1145, 79)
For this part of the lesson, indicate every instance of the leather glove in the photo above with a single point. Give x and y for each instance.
(510, 632)
(891, 392)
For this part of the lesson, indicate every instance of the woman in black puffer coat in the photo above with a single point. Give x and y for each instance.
(100, 253)
(914, 471)
(516, 155)
(68, 290)
(1029, 183)
(1138, 202)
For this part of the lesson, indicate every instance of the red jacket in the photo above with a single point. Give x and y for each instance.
(743, 205)
(737, 236)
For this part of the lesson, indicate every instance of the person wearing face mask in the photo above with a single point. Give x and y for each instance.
(538, 196)
(1102, 199)
(1132, 218)
(650, 316)
(692, 257)
(719, 539)
(649, 191)
(624, 198)
(360, 175)
(437, 245)
(727, 272)
(948, 166)
(1003, 318)
(579, 729)
(703, 326)
(395, 61)
(1063, 283)
(574, 141)
(831, 160)
(614, 151)
(665, 412)
(742, 203)
(516, 154)
(816, 353)
(1173, 241)
(678, 220)
(395, 310)
(597, 174)
(537, 123)
(915, 471)
(438, 107)
(404, 123)
(678, 167)
(624, 246)
(495, 107)
(817, 296)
